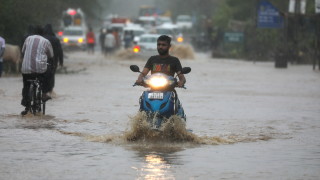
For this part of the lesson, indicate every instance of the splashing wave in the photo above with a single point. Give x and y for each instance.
(173, 131)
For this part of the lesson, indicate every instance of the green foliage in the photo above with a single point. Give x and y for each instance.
(16, 15)
(262, 43)
(222, 16)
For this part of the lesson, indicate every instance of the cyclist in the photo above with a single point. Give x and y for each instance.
(36, 51)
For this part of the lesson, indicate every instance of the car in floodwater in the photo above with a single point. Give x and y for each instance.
(171, 30)
(147, 45)
(137, 31)
(74, 37)
(163, 20)
(184, 21)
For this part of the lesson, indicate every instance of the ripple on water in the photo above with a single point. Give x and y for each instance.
(173, 131)
(172, 134)
(29, 121)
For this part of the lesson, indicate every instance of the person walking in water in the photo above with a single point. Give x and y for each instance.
(57, 51)
(110, 43)
(2, 48)
(102, 37)
(90, 41)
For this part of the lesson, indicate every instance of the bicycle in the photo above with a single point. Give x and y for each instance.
(34, 99)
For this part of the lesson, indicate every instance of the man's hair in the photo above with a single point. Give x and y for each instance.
(164, 38)
(38, 30)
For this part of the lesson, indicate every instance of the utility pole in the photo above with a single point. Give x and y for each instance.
(317, 41)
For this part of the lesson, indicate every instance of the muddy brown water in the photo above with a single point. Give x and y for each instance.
(248, 121)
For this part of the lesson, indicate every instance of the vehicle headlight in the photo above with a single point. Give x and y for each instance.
(180, 39)
(157, 82)
(65, 40)
(80, 40)
(136, 49)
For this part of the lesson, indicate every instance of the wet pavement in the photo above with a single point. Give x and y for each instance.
(248, 121)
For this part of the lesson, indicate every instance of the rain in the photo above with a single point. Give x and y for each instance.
(251, 103)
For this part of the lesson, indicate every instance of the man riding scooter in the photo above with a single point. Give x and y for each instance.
(160, 102)
(163, 62)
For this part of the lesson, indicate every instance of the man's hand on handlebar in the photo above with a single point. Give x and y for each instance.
(139, 81)
(180, 84)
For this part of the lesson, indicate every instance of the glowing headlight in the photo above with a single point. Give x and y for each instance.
(80, 40)
(180, 39)
(158, 82)
(65, 40)
(136, 49)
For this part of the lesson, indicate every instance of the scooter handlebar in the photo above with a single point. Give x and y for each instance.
(181, 87)
(136, 84)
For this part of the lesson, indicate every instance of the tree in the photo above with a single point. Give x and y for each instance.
(17, 15)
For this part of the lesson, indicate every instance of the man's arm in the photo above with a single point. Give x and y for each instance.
(23, 48)
(60, 53)
(182, 80)
(49, 51)
(144, 72)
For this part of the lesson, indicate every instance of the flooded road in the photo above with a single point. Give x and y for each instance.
(248, 121)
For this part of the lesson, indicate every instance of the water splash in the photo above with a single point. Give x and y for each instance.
(182, 51)
(172, 133)
(173, 130)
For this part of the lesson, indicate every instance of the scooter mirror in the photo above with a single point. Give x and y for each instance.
(134, 68)
(186, 70)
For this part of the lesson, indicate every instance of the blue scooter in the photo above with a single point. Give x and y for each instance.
(161, 101)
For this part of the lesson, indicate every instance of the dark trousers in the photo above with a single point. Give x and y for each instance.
(1, 66)
(26, 85)
(51, 80)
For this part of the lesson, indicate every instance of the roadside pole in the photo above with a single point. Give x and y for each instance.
(318, 40)
(316, 44)
(317, 28)
(269, 17)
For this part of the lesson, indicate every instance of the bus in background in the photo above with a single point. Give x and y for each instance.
(73, 29)
(72, 17)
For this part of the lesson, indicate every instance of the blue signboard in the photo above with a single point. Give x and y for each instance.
(268, 16)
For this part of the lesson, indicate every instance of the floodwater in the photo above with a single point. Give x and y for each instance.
(247, 120)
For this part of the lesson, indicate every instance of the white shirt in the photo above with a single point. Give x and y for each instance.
(110, 41)
(2, 42)
(36, 50)
(2, 47)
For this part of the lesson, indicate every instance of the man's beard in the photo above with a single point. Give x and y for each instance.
(163, 51)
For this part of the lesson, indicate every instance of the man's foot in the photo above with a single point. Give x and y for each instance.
(45, 97)
(24, 112)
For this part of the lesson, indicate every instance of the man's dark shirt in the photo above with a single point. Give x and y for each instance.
(168, 65)
(56, 45)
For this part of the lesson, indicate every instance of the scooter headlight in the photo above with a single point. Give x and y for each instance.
(157, 82)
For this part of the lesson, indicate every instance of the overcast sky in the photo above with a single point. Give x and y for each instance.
(127, 8)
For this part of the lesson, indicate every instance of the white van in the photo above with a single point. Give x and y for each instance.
(74, 37)
(184, 22)
(136, 29)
